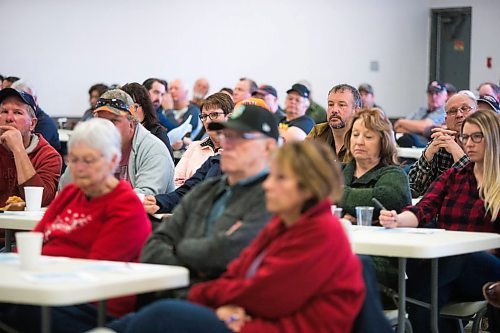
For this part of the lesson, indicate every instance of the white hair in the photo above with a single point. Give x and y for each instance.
(467, 93)
(25, 86)
(99, 134)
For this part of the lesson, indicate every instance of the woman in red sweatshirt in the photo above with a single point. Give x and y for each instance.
(299, 274)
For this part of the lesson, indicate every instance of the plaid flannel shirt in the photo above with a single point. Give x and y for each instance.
(454, 199)
(423, 173)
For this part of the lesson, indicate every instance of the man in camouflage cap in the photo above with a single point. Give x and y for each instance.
(146, 163)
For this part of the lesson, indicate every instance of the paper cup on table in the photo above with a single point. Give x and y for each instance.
(337, 212)
(33, 196)
(364, 215)
(29, 247)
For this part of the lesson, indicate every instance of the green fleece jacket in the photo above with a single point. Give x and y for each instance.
(389, 184)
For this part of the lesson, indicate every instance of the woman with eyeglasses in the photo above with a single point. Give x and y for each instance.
(95, 217)
(215, 108)
(146, 113)
(465, 199)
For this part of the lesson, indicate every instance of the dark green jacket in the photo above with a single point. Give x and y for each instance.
(389, 184)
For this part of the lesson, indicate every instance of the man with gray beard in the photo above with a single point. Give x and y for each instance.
(343, 101)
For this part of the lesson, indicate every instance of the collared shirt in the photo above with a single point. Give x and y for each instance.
(454, 199)
(437, 116)
(423, 173)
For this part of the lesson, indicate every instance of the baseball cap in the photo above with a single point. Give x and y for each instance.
(117, 102)
(24, 96)
(367, 88)
(299, 89)
(253, 101)
(435, 87)
(266, 90)
(491, 101)
(247, 118)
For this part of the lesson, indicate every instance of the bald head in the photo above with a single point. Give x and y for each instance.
(178, 91)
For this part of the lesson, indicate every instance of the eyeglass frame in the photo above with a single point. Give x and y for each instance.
(476, 137)
(241, 136)
(211, 115)
(465, 109)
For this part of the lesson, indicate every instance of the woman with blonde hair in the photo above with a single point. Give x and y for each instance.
(466, 199)
(371, 168)
(298, 275)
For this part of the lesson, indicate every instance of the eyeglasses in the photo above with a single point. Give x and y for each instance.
(234, 136)
(87, 161)
(475, 137)
(211, 115)
(114, 102)
(465, 109)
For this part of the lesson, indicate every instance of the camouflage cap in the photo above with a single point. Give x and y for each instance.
(117, 102)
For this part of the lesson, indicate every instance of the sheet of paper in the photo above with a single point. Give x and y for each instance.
(59, 277)
(180, 131)
(106, 266)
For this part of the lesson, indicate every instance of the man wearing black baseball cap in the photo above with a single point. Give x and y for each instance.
(221, 216)
(26, 159)
(296, 104)
(414, 125)
(269, 95)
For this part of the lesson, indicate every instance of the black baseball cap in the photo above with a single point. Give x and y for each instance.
(300, 89)
(249, 118)
(266, 89)
(24, 96)
(435, 87)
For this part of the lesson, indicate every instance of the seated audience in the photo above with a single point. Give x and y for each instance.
(219, 217)
(465, 199)
(8, 81)
(489, 89)
(157, 90)
(145, 162)
(296, 104)
(244, 89)
(414, 125)
(96, 217)
(95, 92)
(200, 91)
(182, 108)
(371, 169)
(445, 149)
(165, 203)
(488, 103)
(215, 108)
(298, 276)
(44, 125)
(367, 96)
(270, 96)
(315, 111)
(26, 159)
(343, 102)
(146, 114)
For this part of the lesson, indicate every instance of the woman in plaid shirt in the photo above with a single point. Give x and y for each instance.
(466, 199)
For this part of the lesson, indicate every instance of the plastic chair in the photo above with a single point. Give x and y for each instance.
(466, 311)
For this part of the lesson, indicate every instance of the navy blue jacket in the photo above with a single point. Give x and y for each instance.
(210, 168)
(47, 127)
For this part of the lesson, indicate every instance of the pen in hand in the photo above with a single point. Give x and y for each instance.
(379, 205)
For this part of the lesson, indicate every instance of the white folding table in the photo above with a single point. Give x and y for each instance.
(17, 221)
(63, 281)
(419, 243)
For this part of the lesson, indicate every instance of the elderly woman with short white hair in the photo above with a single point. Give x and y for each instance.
(95, 217)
